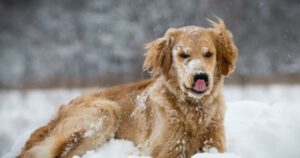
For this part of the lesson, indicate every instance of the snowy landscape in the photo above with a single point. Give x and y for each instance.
(260, 122)
(52, 51)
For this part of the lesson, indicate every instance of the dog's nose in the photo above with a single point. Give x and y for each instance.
(200, 76)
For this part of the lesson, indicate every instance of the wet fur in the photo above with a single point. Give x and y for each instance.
(156, 114)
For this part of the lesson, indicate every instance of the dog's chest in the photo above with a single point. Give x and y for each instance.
(186, 128)
(193, 118)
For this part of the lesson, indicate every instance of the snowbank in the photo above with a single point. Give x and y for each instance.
(126, 149)
(215, 155)
(113, 149)
(260, 122)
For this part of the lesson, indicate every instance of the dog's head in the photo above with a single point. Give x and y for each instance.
(192, 59)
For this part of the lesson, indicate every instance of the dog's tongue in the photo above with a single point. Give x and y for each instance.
(200, 85)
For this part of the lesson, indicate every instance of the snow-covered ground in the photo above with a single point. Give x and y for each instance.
(260, 122)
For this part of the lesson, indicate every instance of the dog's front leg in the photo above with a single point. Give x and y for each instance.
(214, 137)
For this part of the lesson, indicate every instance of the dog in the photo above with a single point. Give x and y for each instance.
(178, 112)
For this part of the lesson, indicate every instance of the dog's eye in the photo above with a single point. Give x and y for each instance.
(208, 54)
(184, 55)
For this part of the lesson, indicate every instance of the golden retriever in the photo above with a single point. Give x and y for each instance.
(176, 113)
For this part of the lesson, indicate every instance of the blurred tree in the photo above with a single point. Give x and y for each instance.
(100, 42)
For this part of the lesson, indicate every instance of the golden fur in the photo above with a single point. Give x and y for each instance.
(160, 115)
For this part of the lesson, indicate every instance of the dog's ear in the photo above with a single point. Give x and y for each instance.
(158, 58)
(226, 50)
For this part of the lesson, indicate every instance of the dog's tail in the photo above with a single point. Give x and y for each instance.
(42, 142)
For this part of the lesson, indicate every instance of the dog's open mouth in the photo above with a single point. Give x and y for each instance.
(199, 86)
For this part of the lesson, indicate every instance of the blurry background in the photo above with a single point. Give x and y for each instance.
(50, 47)
(75, 43)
